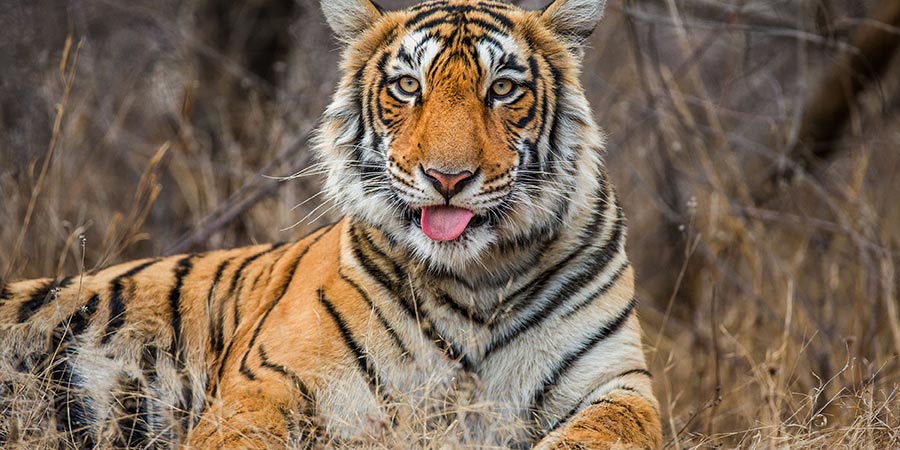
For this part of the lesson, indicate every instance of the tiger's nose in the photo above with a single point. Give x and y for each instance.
(449, 184)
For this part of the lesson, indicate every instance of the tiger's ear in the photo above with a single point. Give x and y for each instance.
(573, 20)
(348, 18)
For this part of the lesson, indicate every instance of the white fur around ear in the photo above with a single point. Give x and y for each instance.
(348, 18)
(573, 20)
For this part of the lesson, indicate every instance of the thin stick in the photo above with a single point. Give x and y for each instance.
(69, 81)
(252, 192)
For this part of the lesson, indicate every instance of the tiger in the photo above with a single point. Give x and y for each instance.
(477, 286)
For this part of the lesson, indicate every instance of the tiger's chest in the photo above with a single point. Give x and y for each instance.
(442, 390)
(433, 399)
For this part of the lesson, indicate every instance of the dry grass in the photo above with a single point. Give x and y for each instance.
(771, 314)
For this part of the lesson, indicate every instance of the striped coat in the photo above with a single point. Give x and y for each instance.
(477, 293)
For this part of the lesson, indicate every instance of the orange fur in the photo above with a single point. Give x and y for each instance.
(346, 334)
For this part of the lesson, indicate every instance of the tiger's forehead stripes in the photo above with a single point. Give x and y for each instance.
(501, 56)
(488, 15)
(417, 49)
(463, 47)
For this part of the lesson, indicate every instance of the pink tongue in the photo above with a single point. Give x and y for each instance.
(445, 223)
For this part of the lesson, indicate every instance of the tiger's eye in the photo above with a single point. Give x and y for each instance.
(502, 87)
(408, 85)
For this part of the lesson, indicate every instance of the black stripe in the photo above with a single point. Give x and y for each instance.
(419, 49)
(599, 260)
(496, 15)
(428, 4)
(589, 299)
(461, 310)
(597, 221)
(239, 277)
(399, 273)
(532, 109)
(572, 357)
(454, 15)
(219, 339)
(117, 303)
(367, 100)
(373, 270)
(487, 26)
(149, 361)
(182, 269)
(450, 348)
(72, 327)
(215, 319)
(176, 348)
(133, 417)
(366, 365)
(438, 62)
(625, 388)
(495, 281)
(538, 315)
(643, 372)
(498, 59)
(553, 139)
(379, 108)
(287, 280)
(424, 14)
(41, 296)
(73, 416)
(638, 420)
(540, 236)
(240, 270)
(404, 56)
(419, 315)
(565, 418)
(5, 294)
(79, 321)
(150, 355)
(244, 369)
(298, 382)
(267, 273)
(562, 419)
(301, 425)
(404, 352)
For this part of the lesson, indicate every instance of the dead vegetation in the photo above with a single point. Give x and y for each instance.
(754, 144)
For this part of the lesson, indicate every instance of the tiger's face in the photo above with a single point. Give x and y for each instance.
(459, 125)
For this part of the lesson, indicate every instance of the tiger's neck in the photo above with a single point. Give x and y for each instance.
(512, 267)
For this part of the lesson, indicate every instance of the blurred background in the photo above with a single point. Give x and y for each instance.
(755, 145)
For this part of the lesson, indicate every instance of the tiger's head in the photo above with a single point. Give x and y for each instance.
(460, 126)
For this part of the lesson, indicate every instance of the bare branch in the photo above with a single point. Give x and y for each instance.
(254, 191)
(829, 107)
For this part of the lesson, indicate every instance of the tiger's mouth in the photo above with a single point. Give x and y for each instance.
(444, 223)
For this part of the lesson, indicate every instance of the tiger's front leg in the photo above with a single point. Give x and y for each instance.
(254, 419)
(618, 421)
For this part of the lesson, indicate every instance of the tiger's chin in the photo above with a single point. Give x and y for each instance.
(459, 255)
(465, 254)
